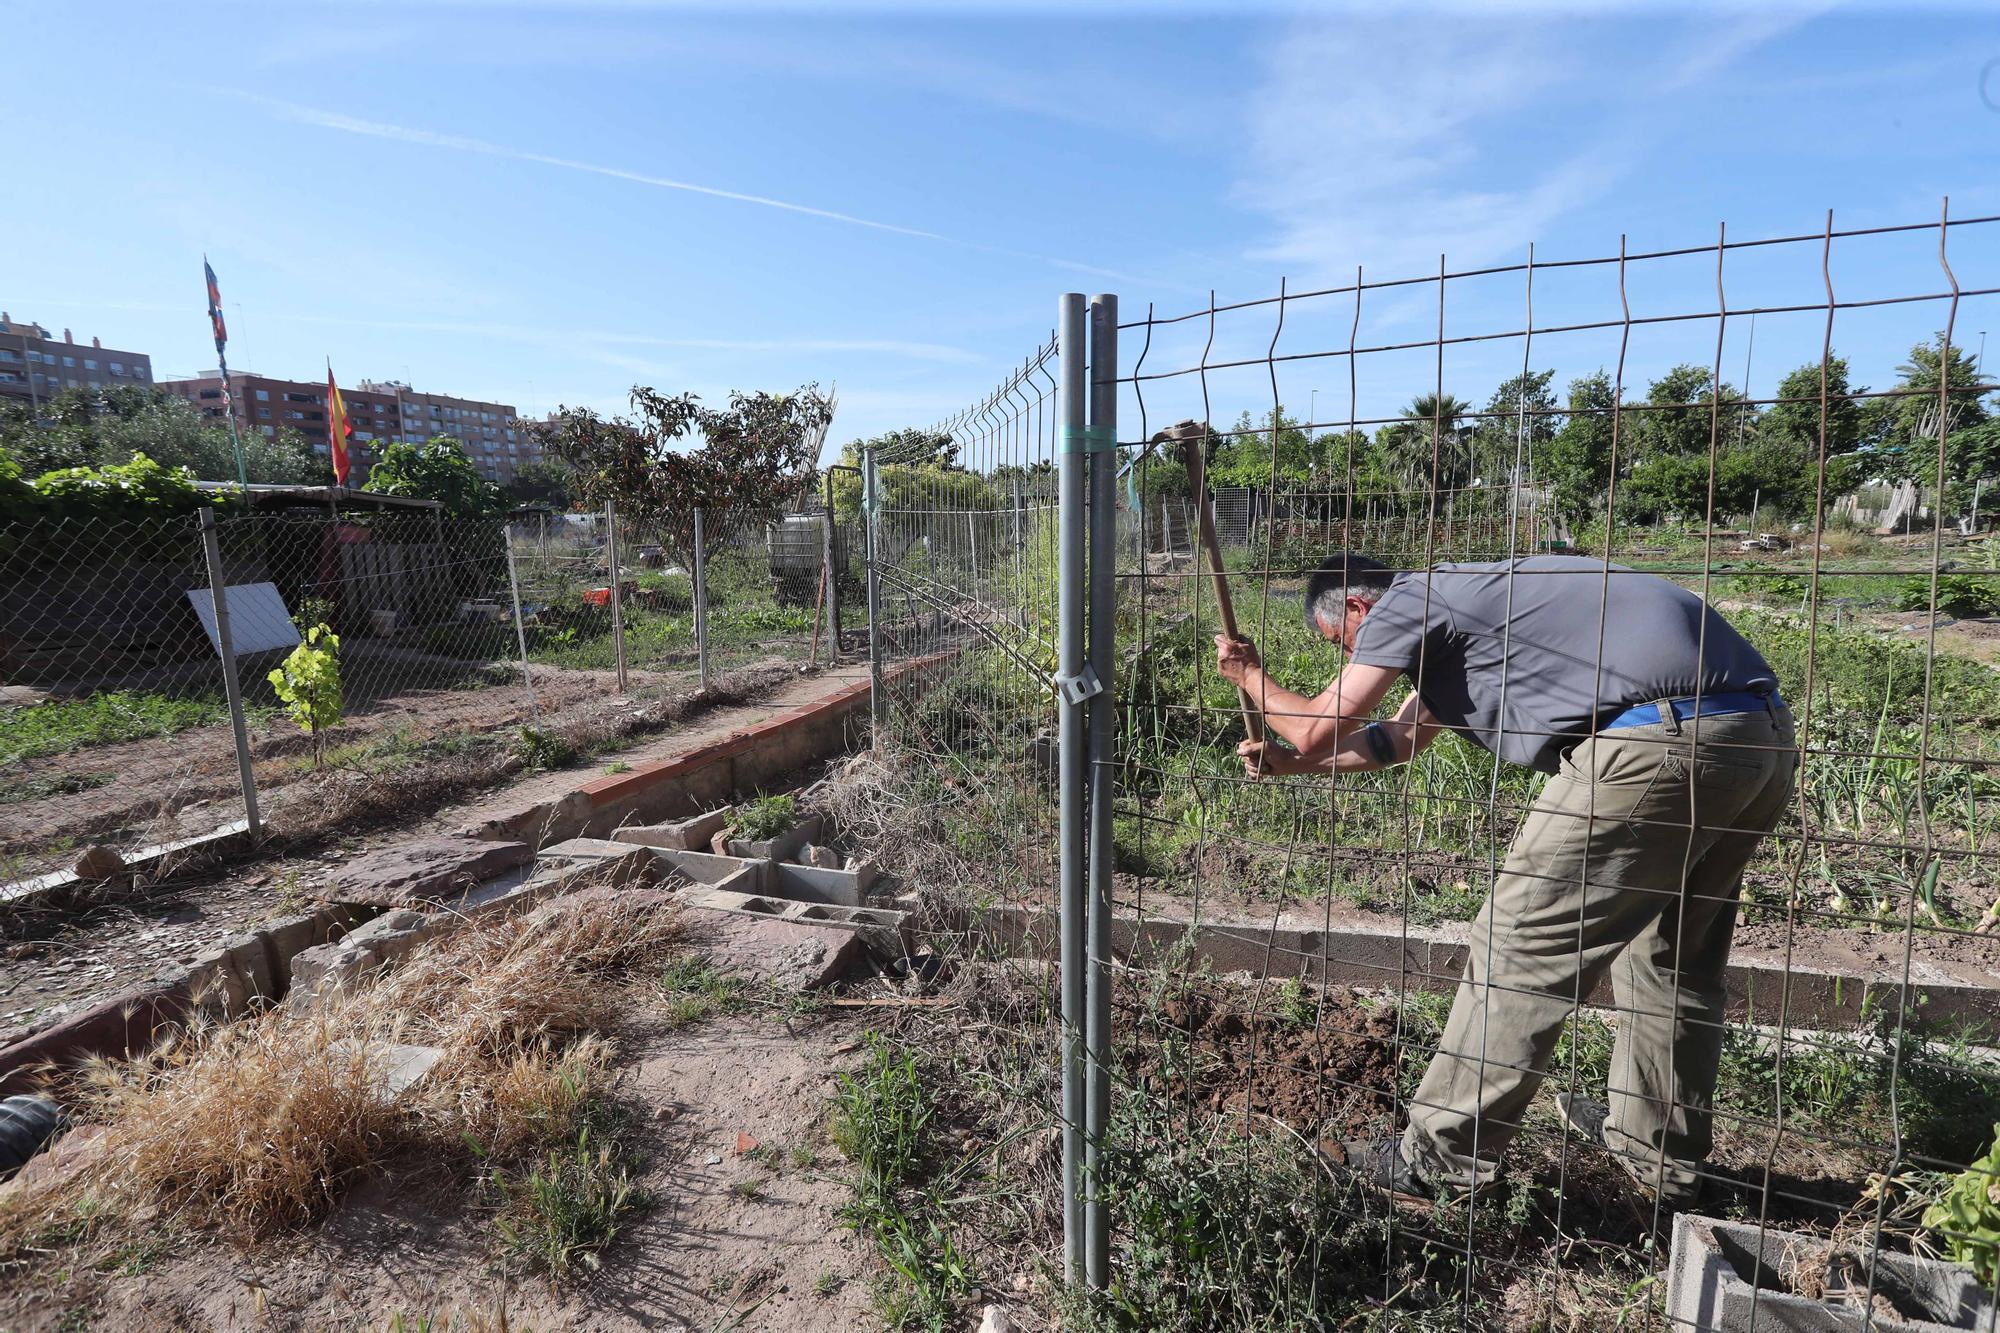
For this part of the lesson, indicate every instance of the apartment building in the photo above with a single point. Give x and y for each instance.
(36, 366)
(380, 411)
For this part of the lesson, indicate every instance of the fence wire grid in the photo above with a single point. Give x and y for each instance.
(1266, 965)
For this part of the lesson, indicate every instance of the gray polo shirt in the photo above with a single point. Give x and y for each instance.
(1532, 628)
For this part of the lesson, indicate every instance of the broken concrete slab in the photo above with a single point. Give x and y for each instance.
(388, 937)
(424, 870)
(683, 835)
(789, 955)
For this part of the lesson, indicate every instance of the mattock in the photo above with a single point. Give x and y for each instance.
(1194, 438)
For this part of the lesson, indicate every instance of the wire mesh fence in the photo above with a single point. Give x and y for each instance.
(1745, 937)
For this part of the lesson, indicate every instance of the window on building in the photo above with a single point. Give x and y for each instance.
(263, 395)
(69, 363)
(268, 430)
(96, 384)
(138, 372)
(293, 414)
(263, 414)
(118, 367)
(89, 363)
(301, 398)
(10, 356)
(211, 393)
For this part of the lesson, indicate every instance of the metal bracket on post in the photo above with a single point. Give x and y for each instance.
(1077, 689)
(218, 585)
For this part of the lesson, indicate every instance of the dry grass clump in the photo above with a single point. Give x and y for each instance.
(490, 989)
(245, 1128)
(537, 1096)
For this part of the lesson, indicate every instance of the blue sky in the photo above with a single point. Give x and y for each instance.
(547, 203)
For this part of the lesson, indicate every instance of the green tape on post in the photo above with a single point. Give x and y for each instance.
(1088, 440)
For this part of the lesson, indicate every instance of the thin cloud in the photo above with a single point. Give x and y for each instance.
(376, 129)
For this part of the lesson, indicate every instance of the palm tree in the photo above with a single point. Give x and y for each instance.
(1432, 425)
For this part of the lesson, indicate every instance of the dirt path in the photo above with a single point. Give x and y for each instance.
(110, 948)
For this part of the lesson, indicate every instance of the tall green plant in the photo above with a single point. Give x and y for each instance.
(308, 684)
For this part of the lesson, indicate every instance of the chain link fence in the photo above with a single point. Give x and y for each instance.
(468, 647)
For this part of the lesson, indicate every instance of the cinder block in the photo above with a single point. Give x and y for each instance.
(1726, 1277)
(785, 954)
(781, 848)
(681, 835)
(618, 862)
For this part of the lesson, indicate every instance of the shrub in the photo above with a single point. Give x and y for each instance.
(140, 488)
(767, 817)
(1957, 595)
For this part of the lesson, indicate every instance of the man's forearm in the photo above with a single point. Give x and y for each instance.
(1292, 716)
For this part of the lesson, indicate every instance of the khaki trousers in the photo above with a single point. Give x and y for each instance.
(1630, 861)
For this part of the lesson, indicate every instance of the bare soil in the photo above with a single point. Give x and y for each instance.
(59, 964)
(737, 1234)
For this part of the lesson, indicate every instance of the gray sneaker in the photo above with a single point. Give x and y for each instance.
(1380, 1164)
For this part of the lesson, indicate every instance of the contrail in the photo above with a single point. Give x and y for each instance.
(382, 130)
(377, 129)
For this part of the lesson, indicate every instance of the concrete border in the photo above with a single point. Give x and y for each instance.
(1433, 960)
(58, 882)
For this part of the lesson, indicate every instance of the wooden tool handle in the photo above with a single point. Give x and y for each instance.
(1193, 444)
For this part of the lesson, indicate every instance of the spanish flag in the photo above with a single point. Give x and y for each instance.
(338, 432)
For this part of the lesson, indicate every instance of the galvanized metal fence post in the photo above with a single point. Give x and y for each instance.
(617, 596)
(871, 500)
(218, 584)
(1073, 680)
(521, 632)
(1103, 438)
(700, 597)
(832, 558)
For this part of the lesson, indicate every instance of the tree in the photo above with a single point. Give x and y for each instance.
(435, 470)
(104, 428)
(1676, 417)
(1783, 455)
(1428, 447)
(758, 453)
(1909, 424)
(1575, 464)
(1521, 416)
(541, 483)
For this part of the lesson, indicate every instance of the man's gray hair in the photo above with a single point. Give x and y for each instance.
(1340, 576)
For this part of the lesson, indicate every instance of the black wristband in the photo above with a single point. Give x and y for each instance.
(1380, 747)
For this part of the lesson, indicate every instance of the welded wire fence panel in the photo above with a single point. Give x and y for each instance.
(1747, 937)
(1758, 932)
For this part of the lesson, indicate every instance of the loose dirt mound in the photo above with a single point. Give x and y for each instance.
(1326, 1065)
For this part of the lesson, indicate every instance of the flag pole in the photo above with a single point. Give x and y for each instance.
(222, 369)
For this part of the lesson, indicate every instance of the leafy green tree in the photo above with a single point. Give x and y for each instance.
(926, 478)
(98, 428)
(758, 453)
(435, 470)
(1909, 424)
(1681, 416)
(138, 488)
(1575, 463)
(1245, 458)
(541, 483)
(1522, 415)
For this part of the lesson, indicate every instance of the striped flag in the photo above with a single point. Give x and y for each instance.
(338, 431)
(215, 309)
